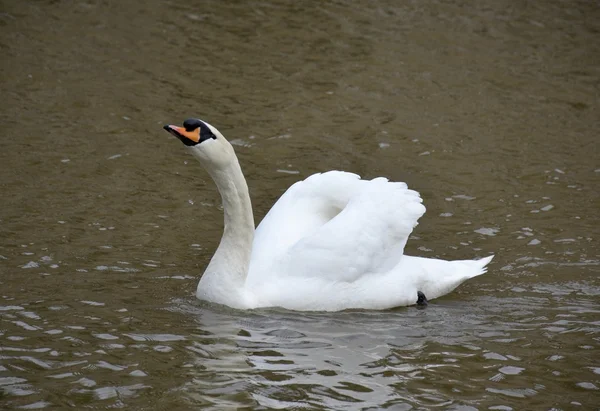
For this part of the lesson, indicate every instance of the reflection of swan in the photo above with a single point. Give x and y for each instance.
(352, 360)
(331, 242)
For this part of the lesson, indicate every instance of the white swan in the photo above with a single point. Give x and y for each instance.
(331, 242)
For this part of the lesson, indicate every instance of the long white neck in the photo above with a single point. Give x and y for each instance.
(224, 278)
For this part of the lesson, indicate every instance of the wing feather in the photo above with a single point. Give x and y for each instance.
(300, 211)
(336, 226)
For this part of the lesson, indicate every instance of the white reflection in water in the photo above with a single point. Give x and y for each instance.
(368, 359)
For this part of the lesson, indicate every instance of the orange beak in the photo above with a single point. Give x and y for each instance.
(182, 132)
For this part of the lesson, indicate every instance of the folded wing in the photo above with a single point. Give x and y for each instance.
(337, 227)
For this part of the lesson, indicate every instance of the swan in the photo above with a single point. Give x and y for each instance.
(331, 242)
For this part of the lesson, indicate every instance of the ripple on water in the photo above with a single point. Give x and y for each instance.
(333, 360)
(86, 382)
(105, 336)
(105, 393)
(155, 337)
(514, 392)
(489, 231)
(11, 308)
(93, 303)
(11, 380)
(108, 366)
(587, 385)
(510, 370)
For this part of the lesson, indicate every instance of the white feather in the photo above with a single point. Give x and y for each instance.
(331, 242)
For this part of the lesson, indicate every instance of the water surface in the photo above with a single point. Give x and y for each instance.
(488, 108)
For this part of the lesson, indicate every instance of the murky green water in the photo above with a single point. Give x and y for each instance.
(490, 109)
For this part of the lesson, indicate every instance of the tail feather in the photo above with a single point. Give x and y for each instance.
(482, 264)
(441, 277)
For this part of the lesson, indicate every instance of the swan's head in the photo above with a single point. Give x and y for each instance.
(205, 142)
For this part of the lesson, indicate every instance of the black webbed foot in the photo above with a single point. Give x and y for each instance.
(421, 300)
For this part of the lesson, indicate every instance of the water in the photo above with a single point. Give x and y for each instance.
(488, 108)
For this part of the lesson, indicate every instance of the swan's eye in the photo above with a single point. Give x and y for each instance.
(192, 124)
(205, 133)
(193, 132)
